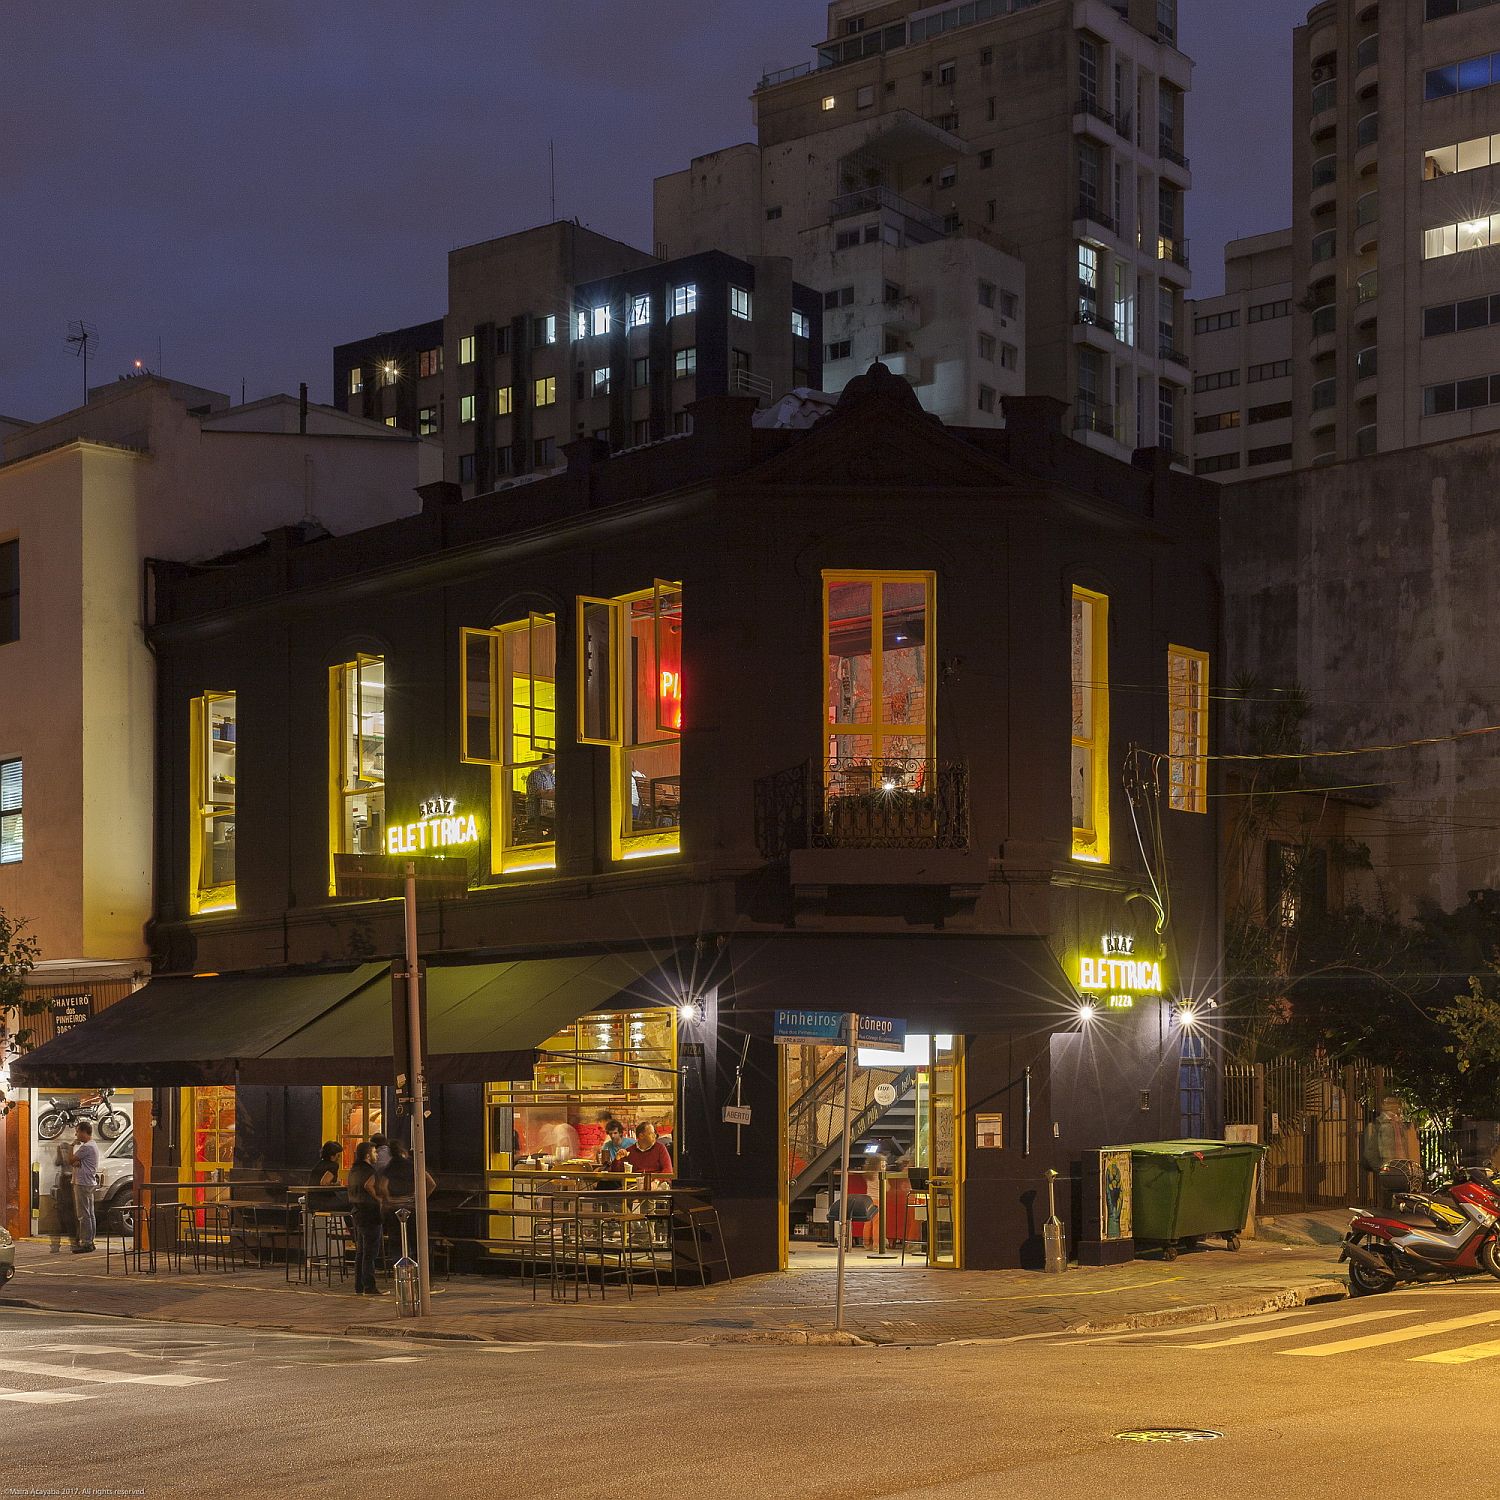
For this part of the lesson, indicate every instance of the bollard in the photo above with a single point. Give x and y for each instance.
(1052, 1231)
(404, 1273)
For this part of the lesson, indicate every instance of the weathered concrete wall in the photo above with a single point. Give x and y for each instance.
(1372, 584)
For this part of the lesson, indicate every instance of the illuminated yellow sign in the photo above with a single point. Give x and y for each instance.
(1118, 974)
(441, 826)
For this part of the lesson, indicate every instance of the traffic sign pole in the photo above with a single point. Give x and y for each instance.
(418, 1091)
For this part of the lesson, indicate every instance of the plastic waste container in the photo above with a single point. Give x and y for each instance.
(1184, 1191)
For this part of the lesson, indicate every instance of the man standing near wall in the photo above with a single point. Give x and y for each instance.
(85, 1184)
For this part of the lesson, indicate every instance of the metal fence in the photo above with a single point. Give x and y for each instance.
(1311, 1117)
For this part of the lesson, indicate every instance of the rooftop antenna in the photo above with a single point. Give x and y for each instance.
(82, 336)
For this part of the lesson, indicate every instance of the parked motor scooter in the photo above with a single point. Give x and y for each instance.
(1430, 1237)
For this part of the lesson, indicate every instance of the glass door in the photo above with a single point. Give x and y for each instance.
(944, 1141)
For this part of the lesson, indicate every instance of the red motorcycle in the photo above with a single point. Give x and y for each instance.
(1428, 1237)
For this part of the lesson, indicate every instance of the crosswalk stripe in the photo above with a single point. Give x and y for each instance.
(1294, 1329)
(110, 1377)
(1393, 1336)
(43, 1398)
(1130, 1335)
(1463, 1356)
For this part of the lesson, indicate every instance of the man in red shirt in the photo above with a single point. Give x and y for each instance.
(648, 1158)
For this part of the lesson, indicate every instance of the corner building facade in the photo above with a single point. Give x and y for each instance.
(749, 720)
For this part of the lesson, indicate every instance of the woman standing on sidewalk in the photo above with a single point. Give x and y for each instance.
(366, 1203)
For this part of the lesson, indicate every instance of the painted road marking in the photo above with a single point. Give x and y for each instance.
(43, 1398)
(1393, 1336)
(1127, 1335)
(1293, 1330)
(108, 1377)
(1462, 1356)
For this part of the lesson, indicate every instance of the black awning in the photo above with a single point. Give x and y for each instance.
(484, 1021)
(933, 981)
(191, 1029)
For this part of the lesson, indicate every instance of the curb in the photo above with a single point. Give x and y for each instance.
(1224, 1311)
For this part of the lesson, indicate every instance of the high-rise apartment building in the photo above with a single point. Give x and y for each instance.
(1056, 127)
(1241, 352)
(1396, 120)
(557, 332)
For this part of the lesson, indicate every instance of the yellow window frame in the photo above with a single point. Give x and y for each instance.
(341, 785)
(506, 747)
(1091, 842)
(1188, 792)
(877, 730)
(202, 805)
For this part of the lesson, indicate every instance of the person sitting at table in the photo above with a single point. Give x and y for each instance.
(330, 1164)
(648, 1157)
(615, 1141)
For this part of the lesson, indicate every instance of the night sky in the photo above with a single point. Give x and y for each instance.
(254, 181)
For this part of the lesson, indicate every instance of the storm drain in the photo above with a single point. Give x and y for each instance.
(1168, 1435)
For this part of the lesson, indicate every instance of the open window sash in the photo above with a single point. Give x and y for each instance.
(599, 628)
(666, 604)
(365, 774)
(208, 801)
(479, 711)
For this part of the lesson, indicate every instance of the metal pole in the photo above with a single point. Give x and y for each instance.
(849, 1041)
(418, 1090)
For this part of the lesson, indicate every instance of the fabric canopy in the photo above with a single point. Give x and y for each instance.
(484, 1021)
(184, 1030)
(934, 981)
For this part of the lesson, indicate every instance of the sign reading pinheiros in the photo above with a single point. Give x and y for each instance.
(810, 1026)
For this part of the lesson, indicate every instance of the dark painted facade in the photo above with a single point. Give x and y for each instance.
(1009, 523)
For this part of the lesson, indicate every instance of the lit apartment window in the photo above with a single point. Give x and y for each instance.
(213, 742)
(581, 323)
(879, 692)
(1187, 709)
(684, 299)
(1090, 770)
(739, 302)
(427, 421)
(599, 321)
(356, 753)
(390, 421)
(466, 350)
(11, 839)
(640, 311)
(1454, 239)
(801, 327)
(1466, 156)
(544, 329)
(465, 408)
(601, 381)
(10, 592)
(630, 693)
(351, 1113)
(356, 381)
(685, 362)
(509, 720)
(390, 372)
(828, 101)
(504, 401)
(430, 362)
(543, 453)
(544, 391)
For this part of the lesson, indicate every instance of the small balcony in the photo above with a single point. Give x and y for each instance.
(920, 226)
(1095, 416)
(1172, 252)
(1093, 327)
(1090, 118)
(890, 802)
(1175, 167)
(1089, 216)
(1170, 355)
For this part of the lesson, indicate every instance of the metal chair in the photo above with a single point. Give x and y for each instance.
(700, 1224)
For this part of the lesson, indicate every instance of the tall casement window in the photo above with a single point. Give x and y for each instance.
(1090, 659)
(352, 1113)
(630, 698)
(11, 821)
(10, 592)
(356, 723)
(213, 742)
(510, 724)
(1187, 729)
(879, 697)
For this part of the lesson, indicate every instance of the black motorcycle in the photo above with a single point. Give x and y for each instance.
(111, 1123)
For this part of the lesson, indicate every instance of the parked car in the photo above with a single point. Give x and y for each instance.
(116, 1182)
(7, 1256)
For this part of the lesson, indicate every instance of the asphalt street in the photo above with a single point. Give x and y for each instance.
(1323, 1395)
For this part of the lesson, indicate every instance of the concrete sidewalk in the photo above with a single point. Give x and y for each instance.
(886, 1305)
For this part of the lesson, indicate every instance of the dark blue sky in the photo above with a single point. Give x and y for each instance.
(254, 181)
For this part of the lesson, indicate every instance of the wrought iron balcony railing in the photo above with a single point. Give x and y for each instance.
(888, 802)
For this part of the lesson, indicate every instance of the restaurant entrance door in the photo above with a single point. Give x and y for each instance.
(905, 1168)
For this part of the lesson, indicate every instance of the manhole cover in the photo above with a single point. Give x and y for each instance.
(1168, 1435)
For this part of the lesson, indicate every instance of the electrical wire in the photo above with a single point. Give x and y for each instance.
(1428, 739)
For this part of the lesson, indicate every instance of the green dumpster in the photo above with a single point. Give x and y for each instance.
(1183, 1191)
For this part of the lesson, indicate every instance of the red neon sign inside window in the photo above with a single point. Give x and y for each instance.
(671, 699)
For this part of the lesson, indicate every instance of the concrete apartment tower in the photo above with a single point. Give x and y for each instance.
(1242, 363)
(1396, 119)
(1053, 128)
